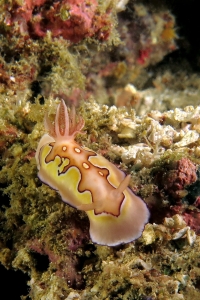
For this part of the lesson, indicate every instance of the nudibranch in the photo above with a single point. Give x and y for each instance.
(89, 182)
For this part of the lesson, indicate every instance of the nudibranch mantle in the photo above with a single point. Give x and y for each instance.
(89, 182)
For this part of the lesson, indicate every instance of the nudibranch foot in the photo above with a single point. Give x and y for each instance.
(89, 182)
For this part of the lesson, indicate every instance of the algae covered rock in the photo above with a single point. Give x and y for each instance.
(109, 60)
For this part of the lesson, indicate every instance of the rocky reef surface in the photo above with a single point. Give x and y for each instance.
(128, 68)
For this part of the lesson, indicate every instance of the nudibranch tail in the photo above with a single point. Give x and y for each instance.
(127, 227)
(89, 182)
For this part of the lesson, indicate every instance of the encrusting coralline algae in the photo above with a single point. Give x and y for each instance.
(150, 133)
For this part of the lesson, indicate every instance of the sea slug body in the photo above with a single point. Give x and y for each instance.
(89, 182)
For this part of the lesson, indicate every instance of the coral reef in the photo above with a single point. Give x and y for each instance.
(71, 19)
(44, 39)
(49, 240)
(148, 35)
(113, 60)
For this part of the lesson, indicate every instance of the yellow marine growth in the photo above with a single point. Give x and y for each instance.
(89, 182)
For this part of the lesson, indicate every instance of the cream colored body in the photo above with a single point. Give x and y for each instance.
(88, 181)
